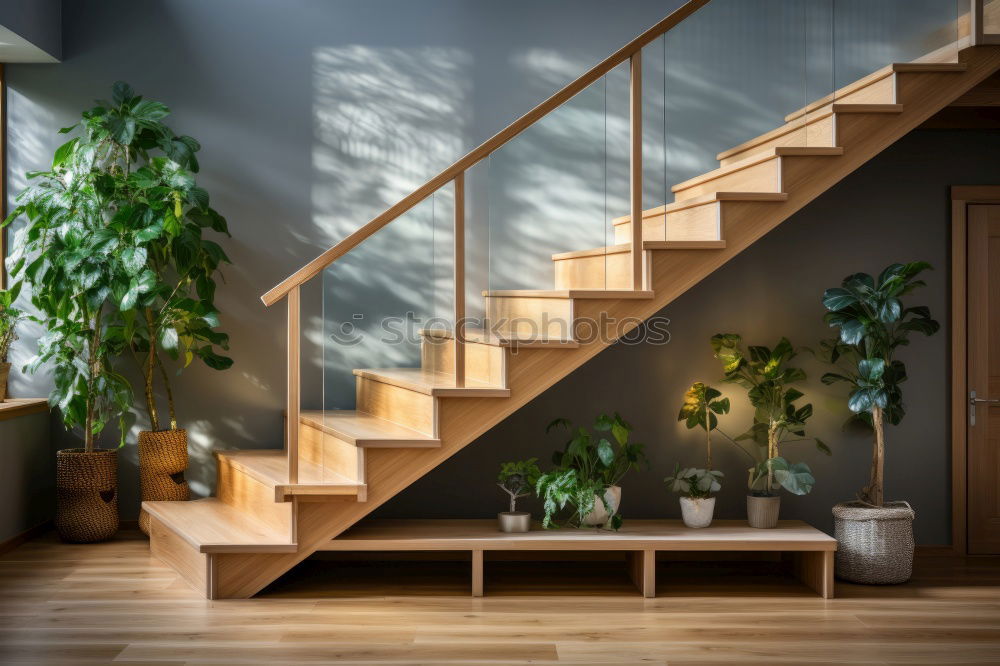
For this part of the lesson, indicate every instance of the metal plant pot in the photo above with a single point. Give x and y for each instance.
(762, 511)
(514, 521)
(697, 512)
(874, 544)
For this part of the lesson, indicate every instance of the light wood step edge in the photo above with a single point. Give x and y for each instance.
(646, 246)
(282, 489)
(702, 200)
(569, 293)
(418, 441)
(476, 390)
(874, 77)
(764, 156)
(181, 531)
(480, 336)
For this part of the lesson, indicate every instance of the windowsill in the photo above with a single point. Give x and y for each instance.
(11, 408)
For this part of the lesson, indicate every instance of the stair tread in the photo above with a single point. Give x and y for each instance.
(703, 199)
(568, 293)
(270, 466)
(211, 525)
(365, 430)
(485, 337)
(763, 156)
(431, 383)
(646, 245)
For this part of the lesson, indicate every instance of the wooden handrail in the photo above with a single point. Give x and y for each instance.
(313, 268)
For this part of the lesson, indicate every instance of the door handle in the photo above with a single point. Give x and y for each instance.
(973, 401)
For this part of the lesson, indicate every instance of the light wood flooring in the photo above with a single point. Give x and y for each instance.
(114, 603)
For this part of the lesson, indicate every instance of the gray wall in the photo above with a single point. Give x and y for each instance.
(38, 21)
(314, 116)
(27, 476)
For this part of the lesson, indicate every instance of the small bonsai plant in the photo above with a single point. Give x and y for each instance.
(873, 325)
(588, 470)
(517, 479)
(9, 318)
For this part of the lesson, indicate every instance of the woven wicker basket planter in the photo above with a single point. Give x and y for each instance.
(4, 373)
(86, 495)
(874, 544)
(163, 459)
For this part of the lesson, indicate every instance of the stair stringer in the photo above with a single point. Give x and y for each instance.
(673, 272)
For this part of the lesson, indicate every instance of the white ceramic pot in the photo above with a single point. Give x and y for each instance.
(697, 512)
(762, 512)
(601, 514)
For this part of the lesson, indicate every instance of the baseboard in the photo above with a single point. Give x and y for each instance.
(28, 534)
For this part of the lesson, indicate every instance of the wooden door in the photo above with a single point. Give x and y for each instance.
(983, 416)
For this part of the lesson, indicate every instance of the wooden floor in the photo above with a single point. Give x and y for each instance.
(113, 603)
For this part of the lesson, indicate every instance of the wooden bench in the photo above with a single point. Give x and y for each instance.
(811, 550)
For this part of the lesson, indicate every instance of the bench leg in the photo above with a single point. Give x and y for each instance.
(642, 571)
(815, 569)
(477, 573)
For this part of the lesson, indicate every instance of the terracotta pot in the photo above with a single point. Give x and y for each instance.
(600, 515)
(762, 512)
(86, 494)
(697, 512)
(163, 459)
(4, 373)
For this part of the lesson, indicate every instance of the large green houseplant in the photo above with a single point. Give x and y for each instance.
(588, 470)
(9, 318)
(873, 324)
(770, 381)
(702, 407)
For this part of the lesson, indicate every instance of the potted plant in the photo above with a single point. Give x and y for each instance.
(777, 421)
(696, 487)
(701, 409)
(9, 318)
(875, 537)
(587, 473)
(517, 479)
(149, 173)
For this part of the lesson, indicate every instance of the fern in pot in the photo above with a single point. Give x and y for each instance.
(517, 479)
(151, 174)
(701, 409)
(778, 421)
(875, 537)
(9, 318)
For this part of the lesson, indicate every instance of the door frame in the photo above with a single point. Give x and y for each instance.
(962, 196)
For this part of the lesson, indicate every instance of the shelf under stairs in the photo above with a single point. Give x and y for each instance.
(407, 421)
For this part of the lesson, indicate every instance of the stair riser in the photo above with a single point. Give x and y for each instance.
(240, 490)
(819, 131)
(197, 569)
(397, 404)
(530, 317)
(765, 176)
(606, 271)
(882, 91)
(486, 363)
(696, 223)
(331, 453)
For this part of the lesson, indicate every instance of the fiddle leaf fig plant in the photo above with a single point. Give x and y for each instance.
(156, 220)
(518, 479)
(701, 409)
(768, 378)
(872, 325)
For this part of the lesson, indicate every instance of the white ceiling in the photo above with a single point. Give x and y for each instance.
(14, 48)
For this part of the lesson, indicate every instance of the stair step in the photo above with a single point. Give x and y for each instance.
(432, 383)
(759, 173)
(568, 293)
(861, 86)
(626, 248)
(270, 467)
(211, 526)
(484, 337)
(367, 431)
(711, 197)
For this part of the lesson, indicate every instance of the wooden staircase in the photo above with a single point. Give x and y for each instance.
(409, 420)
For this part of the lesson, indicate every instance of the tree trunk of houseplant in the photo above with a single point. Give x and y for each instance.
(87, 494)
(4, 373)
(163, 459)
(875, 538)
